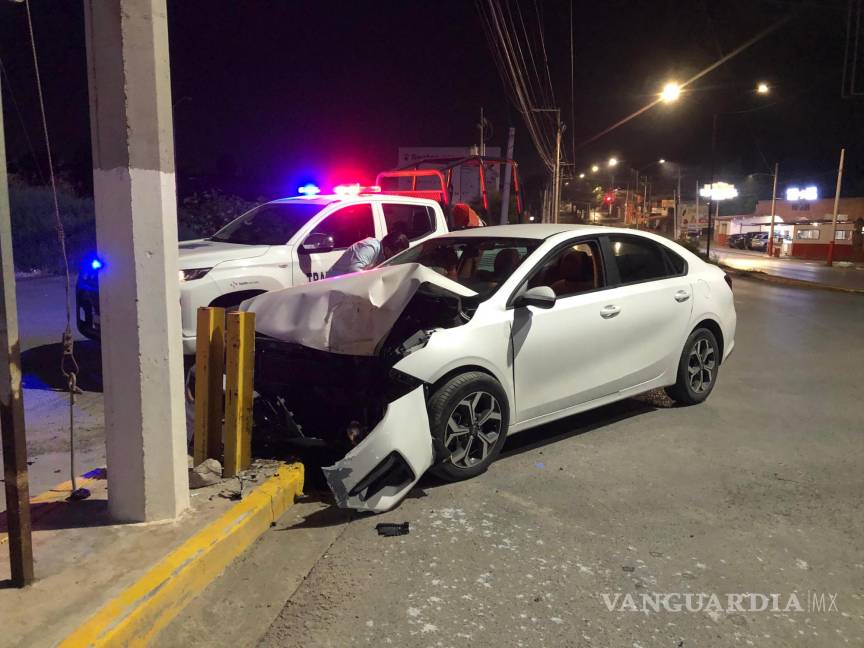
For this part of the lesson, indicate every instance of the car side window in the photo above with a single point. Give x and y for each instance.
(348, 225)
(638, 259)
(571, 270)
(676, 262)
(414, 221)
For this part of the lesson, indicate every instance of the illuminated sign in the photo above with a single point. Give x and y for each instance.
(807, 193)
(719, 191)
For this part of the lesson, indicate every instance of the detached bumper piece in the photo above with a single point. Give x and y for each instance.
(381, 469)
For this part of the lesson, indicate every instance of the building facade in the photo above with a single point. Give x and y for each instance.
(802, 228)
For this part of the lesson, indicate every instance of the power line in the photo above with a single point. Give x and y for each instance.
(512, 49)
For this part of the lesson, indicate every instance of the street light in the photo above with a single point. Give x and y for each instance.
(711, 201)
(671, 92)
(613, 162)
(763, 88)
(661, 161)
(581, 175)
(594, 168)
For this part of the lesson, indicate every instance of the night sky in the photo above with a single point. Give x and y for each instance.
(269, 93)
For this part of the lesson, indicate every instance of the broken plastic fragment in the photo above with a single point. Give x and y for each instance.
(391, 529)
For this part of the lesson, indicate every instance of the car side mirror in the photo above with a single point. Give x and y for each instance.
(539, 296)
(317, 242)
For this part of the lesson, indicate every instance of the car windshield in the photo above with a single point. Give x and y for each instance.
(481, 264)
(270, 224)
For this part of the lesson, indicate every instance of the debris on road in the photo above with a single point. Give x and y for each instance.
(391, 529)
(207, 473)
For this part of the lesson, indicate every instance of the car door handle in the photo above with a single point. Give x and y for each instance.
(610, 311)
(682, 295)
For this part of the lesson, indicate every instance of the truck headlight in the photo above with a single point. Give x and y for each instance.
(191, 275)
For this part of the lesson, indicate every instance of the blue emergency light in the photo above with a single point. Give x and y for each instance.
(309, 189)
(96, 264)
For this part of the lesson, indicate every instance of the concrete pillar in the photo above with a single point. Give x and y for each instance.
(136, 229)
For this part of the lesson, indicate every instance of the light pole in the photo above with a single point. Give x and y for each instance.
(762, 89)
(773, 203)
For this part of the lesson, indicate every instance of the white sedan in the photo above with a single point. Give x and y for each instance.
(431, 360)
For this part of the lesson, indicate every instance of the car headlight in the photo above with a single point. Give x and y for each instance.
(191, 275)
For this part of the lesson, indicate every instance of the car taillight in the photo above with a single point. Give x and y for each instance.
(728, 280)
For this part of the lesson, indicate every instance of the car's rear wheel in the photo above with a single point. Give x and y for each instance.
(697, 368)
(468, 417)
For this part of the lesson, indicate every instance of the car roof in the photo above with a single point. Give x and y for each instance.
(539, 231)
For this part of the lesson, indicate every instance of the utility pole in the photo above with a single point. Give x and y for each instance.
(697, 204)
(773, 203)
(711, 192)
(11, 402)
(675, 225)
(836, 207)
(645, 205)
(557, 199)
(482, 147)
(556, 179)
(505, 190)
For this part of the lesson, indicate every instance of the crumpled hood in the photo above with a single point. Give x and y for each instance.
(202, 253)
(351, 314)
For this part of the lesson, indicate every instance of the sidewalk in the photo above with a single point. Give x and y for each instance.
(842, 276)
(100, 583)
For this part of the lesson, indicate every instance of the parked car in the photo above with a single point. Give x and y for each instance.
(283, 243)
(431, 360)
(759, 242)
(741, 241)
(733, 241)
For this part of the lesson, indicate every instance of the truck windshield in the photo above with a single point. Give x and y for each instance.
(481, 264)
(270, 224)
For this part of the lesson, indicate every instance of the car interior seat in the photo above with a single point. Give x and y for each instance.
(505, 262)
(577, 274)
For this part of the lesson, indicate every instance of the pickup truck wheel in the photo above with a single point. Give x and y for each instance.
(468, 417)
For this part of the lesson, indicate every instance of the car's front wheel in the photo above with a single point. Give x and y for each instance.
(697, 368)
(468, 417)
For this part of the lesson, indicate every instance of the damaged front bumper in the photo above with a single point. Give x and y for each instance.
(381, 469)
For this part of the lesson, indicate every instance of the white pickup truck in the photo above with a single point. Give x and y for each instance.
(276, 245)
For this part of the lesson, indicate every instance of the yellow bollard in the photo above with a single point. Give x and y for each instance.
(239, 371)
(209, 369)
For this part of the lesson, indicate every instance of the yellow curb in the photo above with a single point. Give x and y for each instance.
(136, 615)
(57, 494)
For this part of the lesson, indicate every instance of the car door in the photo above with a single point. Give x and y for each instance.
(342, 228)
(648, 310)
(561, 354)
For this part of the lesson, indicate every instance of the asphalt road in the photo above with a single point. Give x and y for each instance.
(758, 490)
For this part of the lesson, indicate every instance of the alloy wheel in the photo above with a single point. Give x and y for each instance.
(473, 429)
(700, 366)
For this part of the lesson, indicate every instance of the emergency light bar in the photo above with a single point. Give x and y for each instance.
(355, 189)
